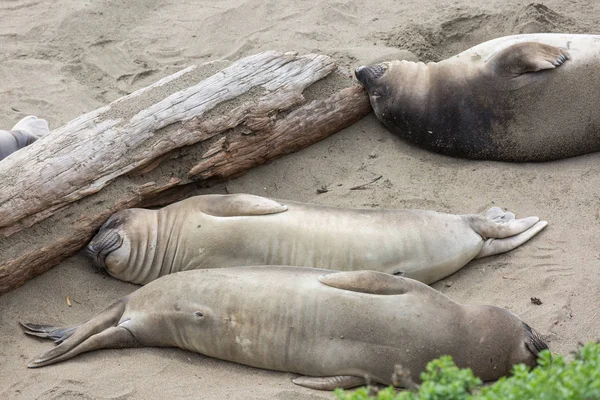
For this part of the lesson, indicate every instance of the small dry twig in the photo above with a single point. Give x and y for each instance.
(360, 187)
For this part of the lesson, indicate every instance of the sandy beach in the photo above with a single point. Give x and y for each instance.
(64, 58)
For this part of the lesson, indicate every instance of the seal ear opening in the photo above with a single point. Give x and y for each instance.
(534, 343)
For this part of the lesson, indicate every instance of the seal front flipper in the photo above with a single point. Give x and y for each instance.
(372, 282)
(329, 382)
(100, 332)
(237, 205)
(526, 57)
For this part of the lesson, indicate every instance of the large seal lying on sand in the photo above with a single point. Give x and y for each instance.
(334, 327)
(517, 98)
(25, 132)
(138, 245)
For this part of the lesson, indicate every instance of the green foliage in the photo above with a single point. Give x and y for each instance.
(553, 379)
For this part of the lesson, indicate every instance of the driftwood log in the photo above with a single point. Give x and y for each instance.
(199, 126)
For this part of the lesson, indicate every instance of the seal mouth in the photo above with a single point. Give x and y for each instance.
(535, 343)
(104, 243)
(368, 74)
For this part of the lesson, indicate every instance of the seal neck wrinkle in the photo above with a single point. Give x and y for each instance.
(164, 240)
(142, 248)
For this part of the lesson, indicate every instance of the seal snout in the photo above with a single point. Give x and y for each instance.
(535, 342)
(368, 74)
(104, 243)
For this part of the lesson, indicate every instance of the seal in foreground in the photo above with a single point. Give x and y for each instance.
(139, 245)
(530, 97)
(334, 328)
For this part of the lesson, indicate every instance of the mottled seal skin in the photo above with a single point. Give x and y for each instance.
(334, 328)
(138, 245)
(519, 98)
(25, 132)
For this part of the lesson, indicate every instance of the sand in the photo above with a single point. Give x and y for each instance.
(63, 58)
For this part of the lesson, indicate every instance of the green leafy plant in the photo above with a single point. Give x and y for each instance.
(553, 379)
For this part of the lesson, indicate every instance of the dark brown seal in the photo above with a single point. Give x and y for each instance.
(517, 98)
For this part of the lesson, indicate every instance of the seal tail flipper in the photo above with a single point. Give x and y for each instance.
(521, 58)
(498, 246)
(31, 124)
(58, 334)
(99, 332)
(498, 224)
(111, 338)
(329, 382)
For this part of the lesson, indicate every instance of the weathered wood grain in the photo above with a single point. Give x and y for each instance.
(201, 125)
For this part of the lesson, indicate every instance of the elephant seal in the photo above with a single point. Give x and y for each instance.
(25, 132)
(519, 98)
(138, 245)
(334, 328)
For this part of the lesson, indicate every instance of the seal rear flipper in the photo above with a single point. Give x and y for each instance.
(498, 246)
(498, 224)
(526, 57)
(114, 337)
(99, 332)
(237, 205)
(366, 282)
(329, 382)
(58, 334)
(33, 125)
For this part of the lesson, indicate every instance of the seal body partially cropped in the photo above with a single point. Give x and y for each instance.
(25, 132)
(333, 327)
(530, 97)
(139, 245)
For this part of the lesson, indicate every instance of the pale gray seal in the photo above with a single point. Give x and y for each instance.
(518, 98)
(139, 245)
(25, 132)
(334, 328)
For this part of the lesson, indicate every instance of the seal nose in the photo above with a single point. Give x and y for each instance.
(104, 243)
(536, 341)
(367, 74)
